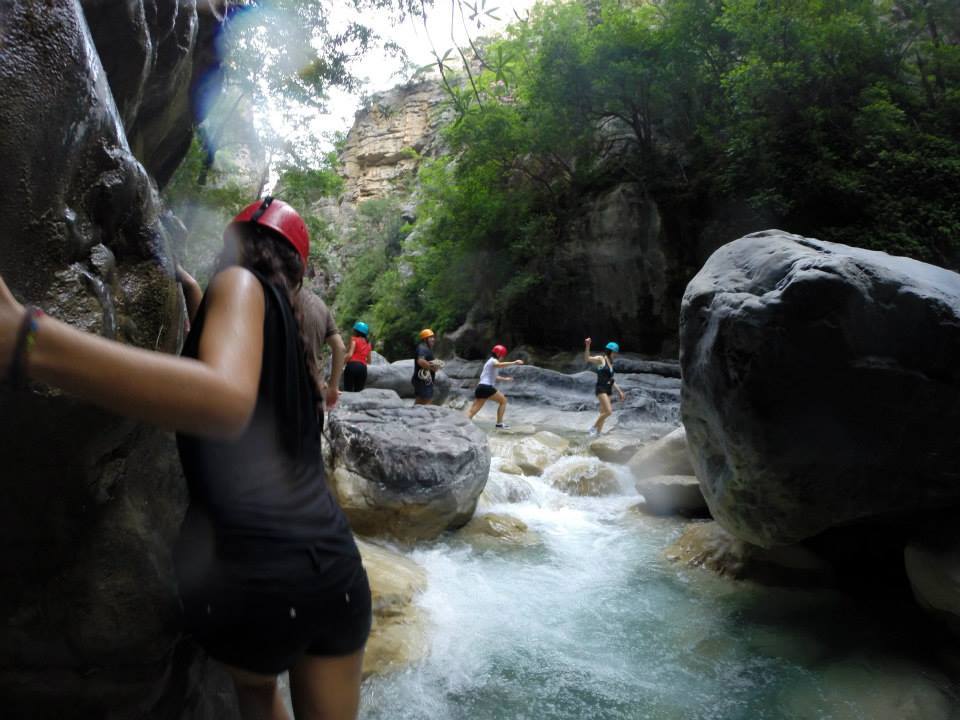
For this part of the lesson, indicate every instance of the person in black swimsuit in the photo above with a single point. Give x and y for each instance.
(269, 575)
(603, 364)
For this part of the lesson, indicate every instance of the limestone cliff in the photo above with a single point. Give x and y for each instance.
(388, 137)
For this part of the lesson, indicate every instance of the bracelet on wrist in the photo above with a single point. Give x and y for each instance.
(26, 339)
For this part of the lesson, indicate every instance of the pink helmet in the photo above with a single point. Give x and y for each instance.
(282, 219)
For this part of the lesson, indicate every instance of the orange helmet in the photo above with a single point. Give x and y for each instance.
(425, 333)
(282, 219)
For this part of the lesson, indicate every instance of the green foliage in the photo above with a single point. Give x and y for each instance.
(838, 119)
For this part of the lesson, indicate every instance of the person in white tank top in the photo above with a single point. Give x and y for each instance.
(486, 388)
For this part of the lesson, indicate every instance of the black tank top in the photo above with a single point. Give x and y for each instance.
(605, 378)
(261, 501)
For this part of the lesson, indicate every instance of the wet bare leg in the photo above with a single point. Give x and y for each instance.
(502, 403)
(475, 408)
(326, 688)
(606, 410)
(258, 695)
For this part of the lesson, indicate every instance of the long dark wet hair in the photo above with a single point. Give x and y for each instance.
(258, 248)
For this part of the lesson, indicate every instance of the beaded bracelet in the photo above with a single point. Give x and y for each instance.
(26, 339)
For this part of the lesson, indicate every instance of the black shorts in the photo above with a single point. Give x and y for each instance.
(265, 630)
(484, 391)
(602, 390)
(423, 390)
(354, 376)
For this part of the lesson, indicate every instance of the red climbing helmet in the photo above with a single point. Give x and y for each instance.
(500, 351)
(282, 219)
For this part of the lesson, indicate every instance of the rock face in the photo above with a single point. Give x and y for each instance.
(397, 637)
(403, 471)
(811, 372)
(389, 137)
(709, 546)
(625, 276)
(91, 502)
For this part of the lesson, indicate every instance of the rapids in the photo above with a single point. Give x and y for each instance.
(593, 622)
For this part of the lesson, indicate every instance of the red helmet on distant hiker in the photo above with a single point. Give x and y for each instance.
(282, 219)
(500, 351)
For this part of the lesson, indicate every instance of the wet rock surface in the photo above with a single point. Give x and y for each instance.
(709, 546)
(398, 634)
(810, 373)
(92, 502)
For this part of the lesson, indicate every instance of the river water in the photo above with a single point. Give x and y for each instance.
(593, 622)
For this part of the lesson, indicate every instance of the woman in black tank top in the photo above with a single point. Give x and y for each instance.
(269, 575)
(603, 364)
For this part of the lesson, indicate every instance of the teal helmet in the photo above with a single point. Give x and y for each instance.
(361, 327)
(613, 347)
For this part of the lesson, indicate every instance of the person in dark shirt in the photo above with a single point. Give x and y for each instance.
(269, 575)
(320, 329)
(424, 368)
(603, 364)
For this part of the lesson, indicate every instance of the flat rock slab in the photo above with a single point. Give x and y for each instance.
(672, 495)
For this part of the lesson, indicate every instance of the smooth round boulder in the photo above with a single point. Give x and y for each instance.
(583, 477)
(493, 530)
(667, 456)
(812, 373)
(406, 471)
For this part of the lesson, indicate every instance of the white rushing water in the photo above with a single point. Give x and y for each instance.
(592, 622)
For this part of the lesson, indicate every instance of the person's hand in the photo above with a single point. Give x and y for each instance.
(331, 396)
(587, 341)
(518, 362)
(11, 317)
(622, 396)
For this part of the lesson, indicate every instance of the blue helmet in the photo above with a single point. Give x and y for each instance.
(613, 347)
(361, 327)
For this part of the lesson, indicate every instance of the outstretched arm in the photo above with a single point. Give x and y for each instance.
(213, 395)
(587, 357)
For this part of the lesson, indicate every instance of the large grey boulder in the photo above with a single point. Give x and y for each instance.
(820, 385)
(410, 472)
(397, 376)
(89, 620)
